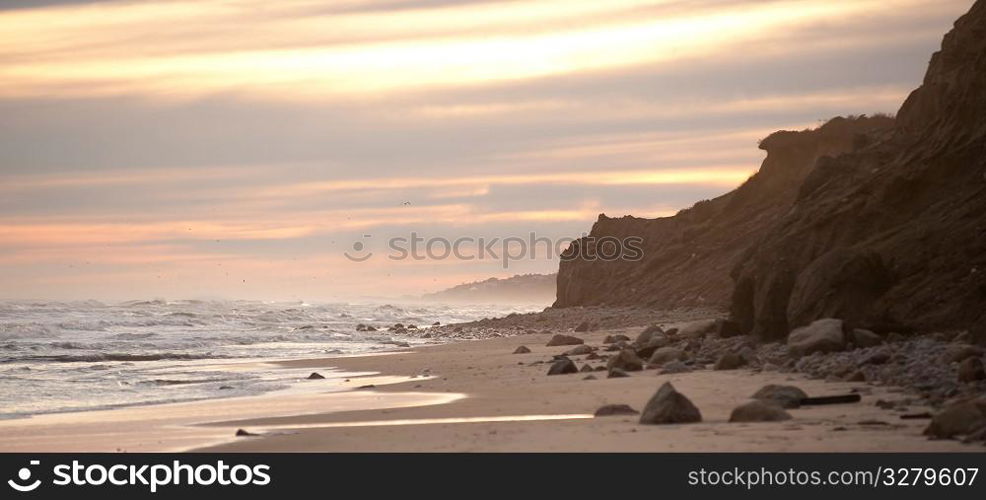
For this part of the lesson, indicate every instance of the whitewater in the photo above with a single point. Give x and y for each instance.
(58, 356)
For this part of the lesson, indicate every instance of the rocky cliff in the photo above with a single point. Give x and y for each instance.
(891, 236)
(880, 223)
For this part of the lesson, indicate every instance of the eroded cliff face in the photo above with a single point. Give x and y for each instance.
(881, 224)
(893, 235)
(687, 258)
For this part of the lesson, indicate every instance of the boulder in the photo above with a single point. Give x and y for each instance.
(579, 350)
(961, 352)
(668, 406)
(560, 339)
(654, 343)
(674, 367)
(959, 419)
(759, 410)
(562, 367)
(613, 410)
(583, 327)
(696, 329)
(729, 361)
(612, 339)
(522, 350)
(971, 370)
(865, 338)
(824, 335)
(785, 396)
(626, 360)
(665, 355)
(649, 332)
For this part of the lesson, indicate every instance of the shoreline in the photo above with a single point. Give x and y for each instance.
(478, 396)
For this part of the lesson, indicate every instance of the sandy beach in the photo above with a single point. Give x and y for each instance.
(479, 396)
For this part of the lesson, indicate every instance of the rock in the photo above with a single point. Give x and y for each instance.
(626, 360)
(361, 327)
(583, 327)
(437, 323)
(315, 376)
(865, 338)
(729, 361)
(560, 339)
(225, 388)
(612, 339)
(725, 328)
(593, 356)
(674, 367)
(245, 433)
(617, 409)
(696, 329)
(759, 410)
(668, 406)
(824, 335)
(579, 350)
(971, 370)
(961, 352)
(649, 332)
(562, 367)
(959, 419)
(600, 368)
(589, 377)
(586, 368)
(654, 343)
(785, 396)
(877, 358)
(857, 376)
(666, 354)
(617, 373)
(522, 350)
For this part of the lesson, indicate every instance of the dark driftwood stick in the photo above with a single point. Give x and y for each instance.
(915, 416)
(831, 400)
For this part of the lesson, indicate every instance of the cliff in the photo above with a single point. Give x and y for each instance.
(882, 224)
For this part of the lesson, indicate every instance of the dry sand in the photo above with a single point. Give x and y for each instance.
(478, 396)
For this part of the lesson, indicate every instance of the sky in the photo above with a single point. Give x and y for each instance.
(249, 149)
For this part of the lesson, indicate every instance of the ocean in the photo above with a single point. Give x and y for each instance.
(74, 356)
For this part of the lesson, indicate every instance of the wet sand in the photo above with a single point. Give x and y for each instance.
(478, 396)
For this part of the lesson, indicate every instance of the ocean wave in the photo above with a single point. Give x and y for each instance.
(98, 357)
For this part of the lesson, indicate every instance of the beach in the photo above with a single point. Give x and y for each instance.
(476, 395)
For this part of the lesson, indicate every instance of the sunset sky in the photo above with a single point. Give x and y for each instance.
(237, 148)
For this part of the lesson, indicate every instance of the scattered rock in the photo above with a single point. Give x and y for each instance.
(245, 433)
(759, 410)
(583, 327)
(730, 361)
(725, 328)
(668, 406)
(696, 329)
(586, 368)
(626, 360)
(579, 350)
(824, 335)
(865, 338)
(560, 339)
(616, 409)
(654, 343)
(612, 339)
(522, 350)
(971, 370)
(315, 376)
(593, 356)
(562, 367)
(959, 419)
(617, 373)
(785, 396)
(665, 355)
